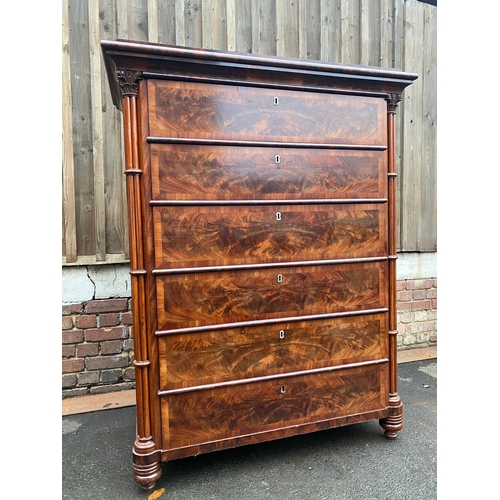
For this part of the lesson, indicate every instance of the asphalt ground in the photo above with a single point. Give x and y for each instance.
(346, 463)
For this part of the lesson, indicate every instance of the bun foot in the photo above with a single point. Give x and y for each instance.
(392, 426)
(147, 465)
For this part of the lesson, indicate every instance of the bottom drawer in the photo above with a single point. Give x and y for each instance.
(196, 417)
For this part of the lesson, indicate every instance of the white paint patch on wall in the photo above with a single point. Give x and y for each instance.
(415, 266)
(83, 283)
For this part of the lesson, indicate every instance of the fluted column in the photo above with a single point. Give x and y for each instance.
(394, 421)
(147, 468)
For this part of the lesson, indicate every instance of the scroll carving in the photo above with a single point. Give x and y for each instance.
(392, 103)
(128, 81)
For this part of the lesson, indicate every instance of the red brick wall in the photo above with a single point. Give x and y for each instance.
(417, 312)
(97, 347)
(97, 343)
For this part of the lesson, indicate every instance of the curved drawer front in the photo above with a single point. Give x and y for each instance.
(228, 112)
(199, 358)
(236, 235)
(208, 298)
(194, 172)
(227, 412)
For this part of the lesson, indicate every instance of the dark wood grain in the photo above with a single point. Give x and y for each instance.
(227, 412)
(189, 109)
(220, 297)
(193, 172)
(216, 236)
(237, 353)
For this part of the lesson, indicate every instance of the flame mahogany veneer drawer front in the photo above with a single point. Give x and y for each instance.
(222, 413)
(208, 357)
(195, 172)
(219, 297)
(234, 235)
(227, 112)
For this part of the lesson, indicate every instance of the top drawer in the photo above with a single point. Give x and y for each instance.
(225, 112)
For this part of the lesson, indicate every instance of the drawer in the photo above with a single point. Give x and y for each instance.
(235, 235)
(227, 412)
(206, 298)
(199, 358)
(193, 172)
(226, 112)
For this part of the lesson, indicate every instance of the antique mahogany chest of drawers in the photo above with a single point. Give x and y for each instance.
(261, 203)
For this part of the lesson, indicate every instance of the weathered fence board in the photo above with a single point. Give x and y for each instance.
(388, 33)
(68, 189)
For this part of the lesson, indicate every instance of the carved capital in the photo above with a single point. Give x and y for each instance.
(392, 102)
(128, 81)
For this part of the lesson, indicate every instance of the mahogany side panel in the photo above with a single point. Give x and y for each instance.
(200, 173)
(235, 235)
(199, 358)
(212, 111)
(208, 298)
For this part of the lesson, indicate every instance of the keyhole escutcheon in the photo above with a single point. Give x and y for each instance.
(278, 215)
(276, 101)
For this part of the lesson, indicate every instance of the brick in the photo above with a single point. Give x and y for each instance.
(401, 329)
(67, 323)
(431, 326)
(85, 350)
(72, 336)
(419, 327)
(434, 304)
(106, 362)
(68, 381)
(74, 393)
(431, 294)
(111, 347)
(432, 315)
(404, 296)
(409, 339)
(129, 373)
(421, 315)
(423, 338)
(111, 376)
(403, 306)
(419, 294)
(85, 321)
(68, 351)
(400, 285)
(109, 319)
(419, 284)
(128, 345)
(107, 305)
(69, 309)
(405, 317)
(88, 378)
(420, 305)
(102, 334)
(127, 318)
(72, 365)
(104, 389)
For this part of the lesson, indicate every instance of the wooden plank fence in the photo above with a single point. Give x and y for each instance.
(389, 33)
